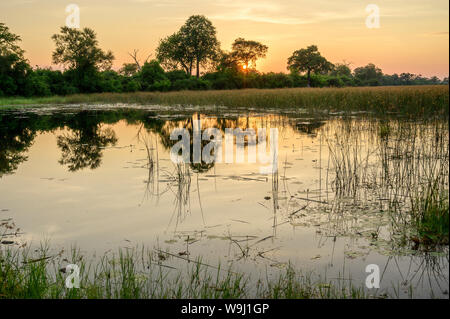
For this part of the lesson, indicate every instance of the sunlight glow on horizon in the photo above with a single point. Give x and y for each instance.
(413, 36)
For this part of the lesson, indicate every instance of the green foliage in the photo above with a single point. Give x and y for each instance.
(131, 85)
(88, 68)
(431, 216)
(14, 72)
(173, 52)
(335, 81)
(153, 77)
(200, 38)
(224, 80)
(176, 75)
(37, 85)
(245, 52)
(368, 75)
(161, 85)
(191, 84)
(78, 51)
(422, 102)
(27, 273)
(129, 69)
(110, 81)
(8, 42)
(14, 69)
(340, 69)
(308, 60)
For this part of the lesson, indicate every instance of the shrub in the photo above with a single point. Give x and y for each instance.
(151, 73)
(111, 81)
(176, 75)
(162, 85)
(192, 84)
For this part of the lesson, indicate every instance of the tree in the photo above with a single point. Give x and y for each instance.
(15, 139)
(82, 147)
(153, 77)
(129, 69)
(8, 42)
(308, 60)
(14, 68)
(369, 75)
(79, 52)
(173, 52)
(136, 59)
(246, 51)
(200, 38)
(341, 69)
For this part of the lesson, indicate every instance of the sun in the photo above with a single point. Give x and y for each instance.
(244, 67)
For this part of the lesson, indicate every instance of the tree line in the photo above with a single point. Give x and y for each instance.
(194, 49)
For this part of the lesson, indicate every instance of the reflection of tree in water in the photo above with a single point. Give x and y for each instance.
(15, 139)
(83, 146)
(245, 123)
(309, 127)
(187, 123)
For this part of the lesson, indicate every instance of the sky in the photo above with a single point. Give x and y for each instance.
(413, 36)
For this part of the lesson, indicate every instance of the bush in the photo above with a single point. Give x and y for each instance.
(162, 85)
(38, 84)
(319, 80)
(14, 72)
(131, 85)
(298, 80)
(191, 84)
(335, 81)
(227, 80)
(151, 73)
(176, 75)
(276, 80)
(111, 81)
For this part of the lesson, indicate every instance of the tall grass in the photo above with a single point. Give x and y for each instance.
(402, 169)
(141, 273)
(413, 100)
(430, 212)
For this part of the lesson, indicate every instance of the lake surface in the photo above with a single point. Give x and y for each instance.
(102, 178)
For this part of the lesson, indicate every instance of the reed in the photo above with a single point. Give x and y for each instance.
(141, 273)
(407, 100)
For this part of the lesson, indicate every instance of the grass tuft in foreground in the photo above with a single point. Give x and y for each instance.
(431, 219)
(140, 273)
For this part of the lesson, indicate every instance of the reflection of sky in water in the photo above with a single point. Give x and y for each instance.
(121, 203)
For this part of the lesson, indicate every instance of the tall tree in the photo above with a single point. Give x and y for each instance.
(134, 55)
(9, 42)
(14, 68)
(369, 75)
(200, 37)
(246, 51)
(78, 51)
(341, 69)
(308, 60)
(82, 147)
(173, 52)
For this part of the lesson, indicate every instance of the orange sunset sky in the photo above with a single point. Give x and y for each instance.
(413, 35)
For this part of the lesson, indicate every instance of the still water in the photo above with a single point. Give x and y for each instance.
(101, 178)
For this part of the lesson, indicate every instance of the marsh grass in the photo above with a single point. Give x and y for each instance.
(414, 101)
(403, 168)
(431, 218)
(140, 273)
